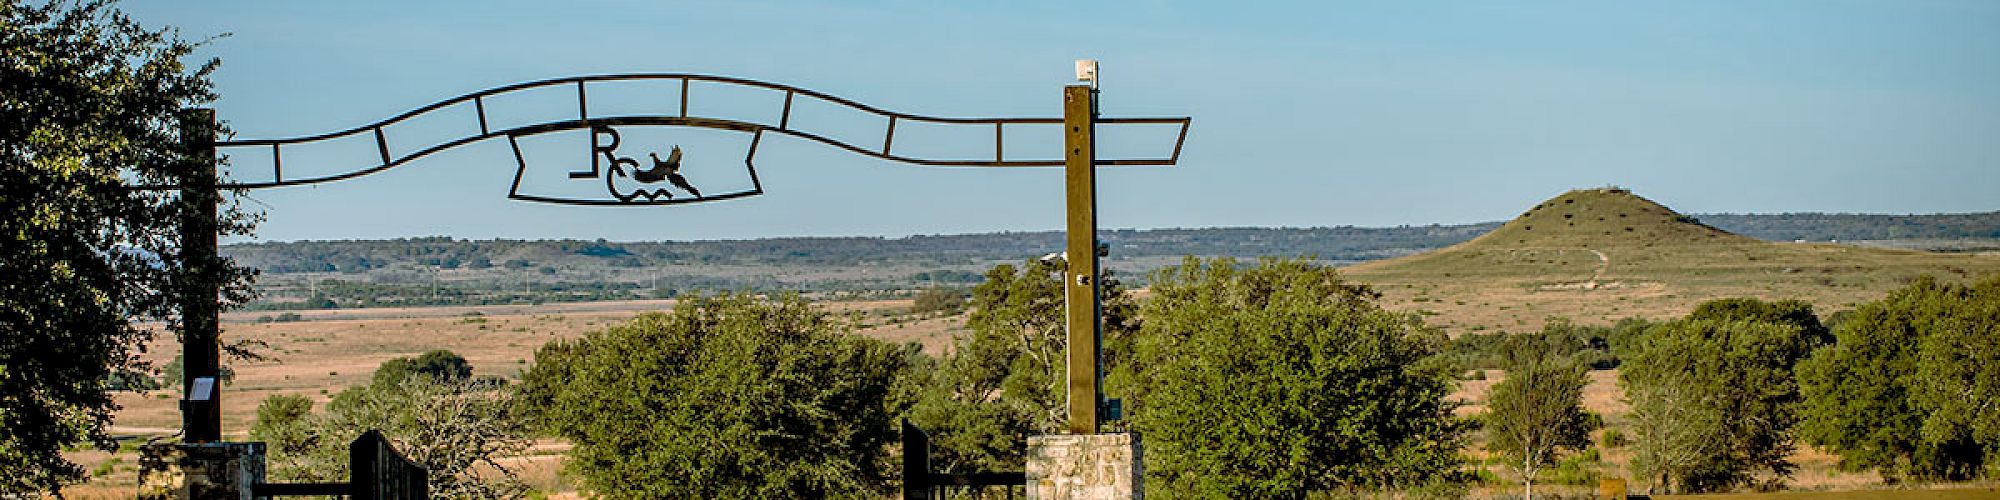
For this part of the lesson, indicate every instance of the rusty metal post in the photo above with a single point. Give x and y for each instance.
(1080, 279)
(201, 417)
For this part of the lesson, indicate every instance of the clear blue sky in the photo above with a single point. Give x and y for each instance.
(1306, 113)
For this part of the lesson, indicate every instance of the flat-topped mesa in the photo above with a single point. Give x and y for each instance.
(1603, 217)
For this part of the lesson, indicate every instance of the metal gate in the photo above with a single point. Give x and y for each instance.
(376, 472)
(919, 483)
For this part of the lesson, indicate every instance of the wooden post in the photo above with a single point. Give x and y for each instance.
(1080, 279)
(201, 406)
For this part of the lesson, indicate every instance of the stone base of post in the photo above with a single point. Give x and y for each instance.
(1095, 466)
(200, 470)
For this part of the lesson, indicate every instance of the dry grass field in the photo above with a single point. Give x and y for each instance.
(331, 350)
(1593, 256)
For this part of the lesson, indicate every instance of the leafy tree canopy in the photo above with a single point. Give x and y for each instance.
(1792, 312)
(457, 429)
(1537, 412)
(1277, 378)
(1958, 374)
(441, 364)
(1713, 400)
(91, 103)
(729, 396)
(1909, 385)
(1003, 381)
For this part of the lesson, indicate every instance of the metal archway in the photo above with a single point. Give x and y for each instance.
(388, 159)
(201, 411)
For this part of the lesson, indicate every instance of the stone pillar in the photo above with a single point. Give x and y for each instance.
(1078, 466)
(200, 470)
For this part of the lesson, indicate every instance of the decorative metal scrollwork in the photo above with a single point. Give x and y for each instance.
(607, 162)
(665, 181)
(667, 170)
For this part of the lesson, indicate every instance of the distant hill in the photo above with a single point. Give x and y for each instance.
(1603, 218)
(1602, 254)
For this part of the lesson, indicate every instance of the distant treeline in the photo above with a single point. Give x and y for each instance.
(1348, 244)
(1823, 227)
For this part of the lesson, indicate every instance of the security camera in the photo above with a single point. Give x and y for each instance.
(1052, 257)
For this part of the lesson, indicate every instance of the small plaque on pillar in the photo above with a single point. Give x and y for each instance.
(203, 389)
(1075, 466)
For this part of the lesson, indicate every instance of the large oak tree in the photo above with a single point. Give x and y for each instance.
(90, 104)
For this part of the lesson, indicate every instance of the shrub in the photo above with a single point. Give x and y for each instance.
(1279, 377)
(1613, 438)
(729, 397)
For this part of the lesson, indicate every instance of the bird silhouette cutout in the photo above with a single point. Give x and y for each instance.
(669, 170)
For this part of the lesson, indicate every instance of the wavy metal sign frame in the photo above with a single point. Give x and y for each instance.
(584, 121)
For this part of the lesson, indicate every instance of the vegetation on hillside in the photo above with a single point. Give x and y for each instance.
(1599, 255)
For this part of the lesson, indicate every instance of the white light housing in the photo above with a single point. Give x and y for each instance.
(1086, 70)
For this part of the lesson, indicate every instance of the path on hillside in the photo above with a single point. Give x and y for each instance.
(1603, 265)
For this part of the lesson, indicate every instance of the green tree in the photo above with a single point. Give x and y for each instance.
(728, 396)
(938, 299)
(440, 364)
(1537, 412)
(1897, 390)
(1713, 400)
(1280, 378)
(1625, 335)
(1797, 313)
(1958, 376)
(282, 425)
(456, 429)
(1002, 382)
(91, 102)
